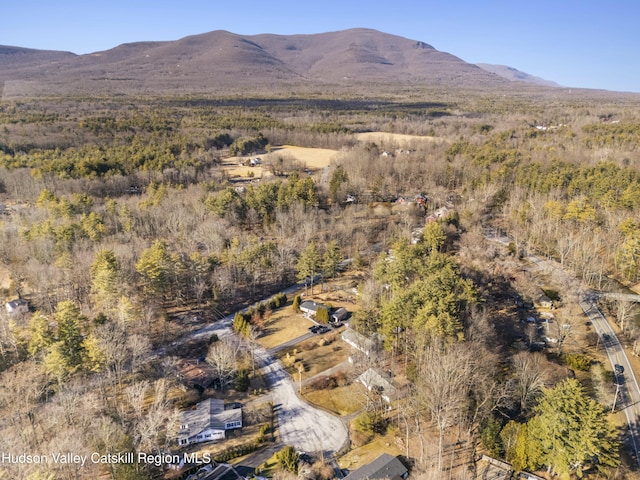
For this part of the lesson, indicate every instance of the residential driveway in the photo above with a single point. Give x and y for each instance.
(302, 426)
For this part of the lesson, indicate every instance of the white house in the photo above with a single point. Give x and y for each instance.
(358, 341)
(311, 308)
(376, 379)
(17, 307)
(209, 421)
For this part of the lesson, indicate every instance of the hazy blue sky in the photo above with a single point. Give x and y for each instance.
(588, 43)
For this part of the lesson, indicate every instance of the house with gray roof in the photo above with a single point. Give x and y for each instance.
(311, 308)
(375, 379)
(208, 421)
(366, 345)
(386, 466)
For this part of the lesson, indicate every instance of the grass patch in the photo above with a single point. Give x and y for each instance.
(315, 357)
(283, 325)
(340, 400)
(369, 452)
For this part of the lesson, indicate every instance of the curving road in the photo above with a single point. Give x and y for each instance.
(301, 425)
(628, 396)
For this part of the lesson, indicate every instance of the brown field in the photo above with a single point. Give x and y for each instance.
(317, 354)
(283, 325)
(314, 158)
(398, 139)
(340, 400)
(368, 453)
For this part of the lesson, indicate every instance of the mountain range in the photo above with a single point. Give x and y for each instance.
(223, 61)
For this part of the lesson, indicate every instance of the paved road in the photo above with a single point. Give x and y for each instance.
(628, 390)
(301, 425)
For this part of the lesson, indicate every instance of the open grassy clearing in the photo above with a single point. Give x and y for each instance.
(283, 325)
(316, 354)
(340, 400)
(369, 452)
(314, 158)
(395, 139)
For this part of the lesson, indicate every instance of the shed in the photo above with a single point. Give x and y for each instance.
(339, 314)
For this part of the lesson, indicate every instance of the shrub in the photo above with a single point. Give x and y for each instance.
(296, 302)
(490, 433)
(368, 423)
(577, 361)
(241, 383)
(288, 459)
(322, 315)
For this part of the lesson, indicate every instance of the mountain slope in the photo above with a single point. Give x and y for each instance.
(222, 60)
(516, 75)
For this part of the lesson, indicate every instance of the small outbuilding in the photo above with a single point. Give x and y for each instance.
(339, 315)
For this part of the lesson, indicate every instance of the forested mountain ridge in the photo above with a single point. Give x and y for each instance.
(221, 60)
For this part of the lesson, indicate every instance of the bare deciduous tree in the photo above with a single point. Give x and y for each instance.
(223, 357)
(530, 375)
(444, 384)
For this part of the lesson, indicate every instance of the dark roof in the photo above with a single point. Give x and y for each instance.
(340, 314)
(223, 471)
(385, 466)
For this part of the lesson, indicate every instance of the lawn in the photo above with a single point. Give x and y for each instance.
(340, 400)
(367, 453)
(283, 325)
(316, 354)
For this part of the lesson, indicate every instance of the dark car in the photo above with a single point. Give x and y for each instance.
(619, 369)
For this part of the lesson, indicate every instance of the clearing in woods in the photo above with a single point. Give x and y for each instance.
(314, 158)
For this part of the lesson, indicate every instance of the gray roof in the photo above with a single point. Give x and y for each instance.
(340, 314)
(312, 306)
(374, 378)
(385, 466)
(359, 341)
(209, 413)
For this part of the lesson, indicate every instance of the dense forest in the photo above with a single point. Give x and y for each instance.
(124, 228)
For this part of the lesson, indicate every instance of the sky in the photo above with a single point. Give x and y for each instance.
(587, 43)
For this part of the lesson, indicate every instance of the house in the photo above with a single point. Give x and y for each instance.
(209, 421)
(374, 379)
(544, 301)
(339, 315)
(17, 307)
(195, 373)
(491, 468)
(309, 307)
(385, 466)
(360, 342)
(216, 471)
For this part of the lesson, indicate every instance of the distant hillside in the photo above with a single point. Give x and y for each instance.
(516, 75)
(17, 57)
(222, 60)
